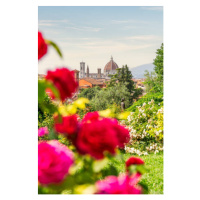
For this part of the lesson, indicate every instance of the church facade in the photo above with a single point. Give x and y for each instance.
(110, 68)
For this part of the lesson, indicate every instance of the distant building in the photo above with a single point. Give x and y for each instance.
(91, 82)
(110, 68)
(41, 76)
(139, 82)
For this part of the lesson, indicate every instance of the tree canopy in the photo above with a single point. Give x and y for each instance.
(154, 80)
(124, 76)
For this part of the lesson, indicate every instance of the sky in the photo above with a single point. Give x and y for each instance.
(93, 34)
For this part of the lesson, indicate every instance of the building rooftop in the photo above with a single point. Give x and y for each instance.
(111, 65)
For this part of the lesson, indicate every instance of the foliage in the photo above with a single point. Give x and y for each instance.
(154, 80)
(158, 62)
(124, 76)
(150, 80)
(106, 97)
(46, 109)
(146, 129)
(157, 97)
(89, 93)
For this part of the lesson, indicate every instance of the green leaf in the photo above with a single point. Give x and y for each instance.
(67, 184)
(55, 46)
(132, 169)
(111, 170)
(144, 187)
(98, 165)
(41, 90)
(53, 135)
(141, 168)
(53, 89)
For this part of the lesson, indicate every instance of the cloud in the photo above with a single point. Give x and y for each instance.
(84, 28)
(104, 45)
(127, 21)
(153, 8)
(144, 37)
(45, 24)
(52, 22)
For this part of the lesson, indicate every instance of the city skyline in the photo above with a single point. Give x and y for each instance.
(93, 34)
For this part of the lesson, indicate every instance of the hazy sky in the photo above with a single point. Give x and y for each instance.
(92, 34)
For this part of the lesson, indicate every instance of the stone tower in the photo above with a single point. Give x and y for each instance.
(82, 69)
(87, 72)
(99, 73)
(76, 76)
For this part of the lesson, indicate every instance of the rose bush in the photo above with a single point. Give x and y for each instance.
(73, 157)
(146, 129)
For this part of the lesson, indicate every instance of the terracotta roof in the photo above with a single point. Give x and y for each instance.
(41, 76)
(75, 70)
(111, 65)
(93, 81)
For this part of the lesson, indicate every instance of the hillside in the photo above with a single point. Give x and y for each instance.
(138, 72)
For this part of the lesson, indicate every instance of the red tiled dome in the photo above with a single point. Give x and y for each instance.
(111, 65)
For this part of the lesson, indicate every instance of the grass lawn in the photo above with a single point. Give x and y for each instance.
(154, 177)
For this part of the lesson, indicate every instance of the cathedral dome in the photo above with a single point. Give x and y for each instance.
(111, 65)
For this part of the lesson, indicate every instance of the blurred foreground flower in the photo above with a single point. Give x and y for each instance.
(134, 161)
(43, 131)
(68, 124)
(42, 46)
(54, 161)
(98, 135)
(64, 80)
(119, 185)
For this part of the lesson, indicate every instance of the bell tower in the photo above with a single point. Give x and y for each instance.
(82, 69)
(87, 71)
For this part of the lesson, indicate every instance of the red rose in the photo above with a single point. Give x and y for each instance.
(42, 46)
(134, 161)
(122, 133)
(68, 125)
(95, 138)
(63, 79)
(90, 116)
(98, 135)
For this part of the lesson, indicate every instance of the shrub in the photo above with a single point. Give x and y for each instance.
(157, 97)
(89, 93)
(146, 129)
(109, 96)
(45, 112)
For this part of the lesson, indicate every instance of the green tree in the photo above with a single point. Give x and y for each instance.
(124, 76)
(158, 62)
(154, 80)
(89, 92)
(109, 96)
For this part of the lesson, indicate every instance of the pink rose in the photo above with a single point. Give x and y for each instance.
(122, 184)
(54, 161)
(43, 131)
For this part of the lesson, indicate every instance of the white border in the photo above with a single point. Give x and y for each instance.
(19, 89)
